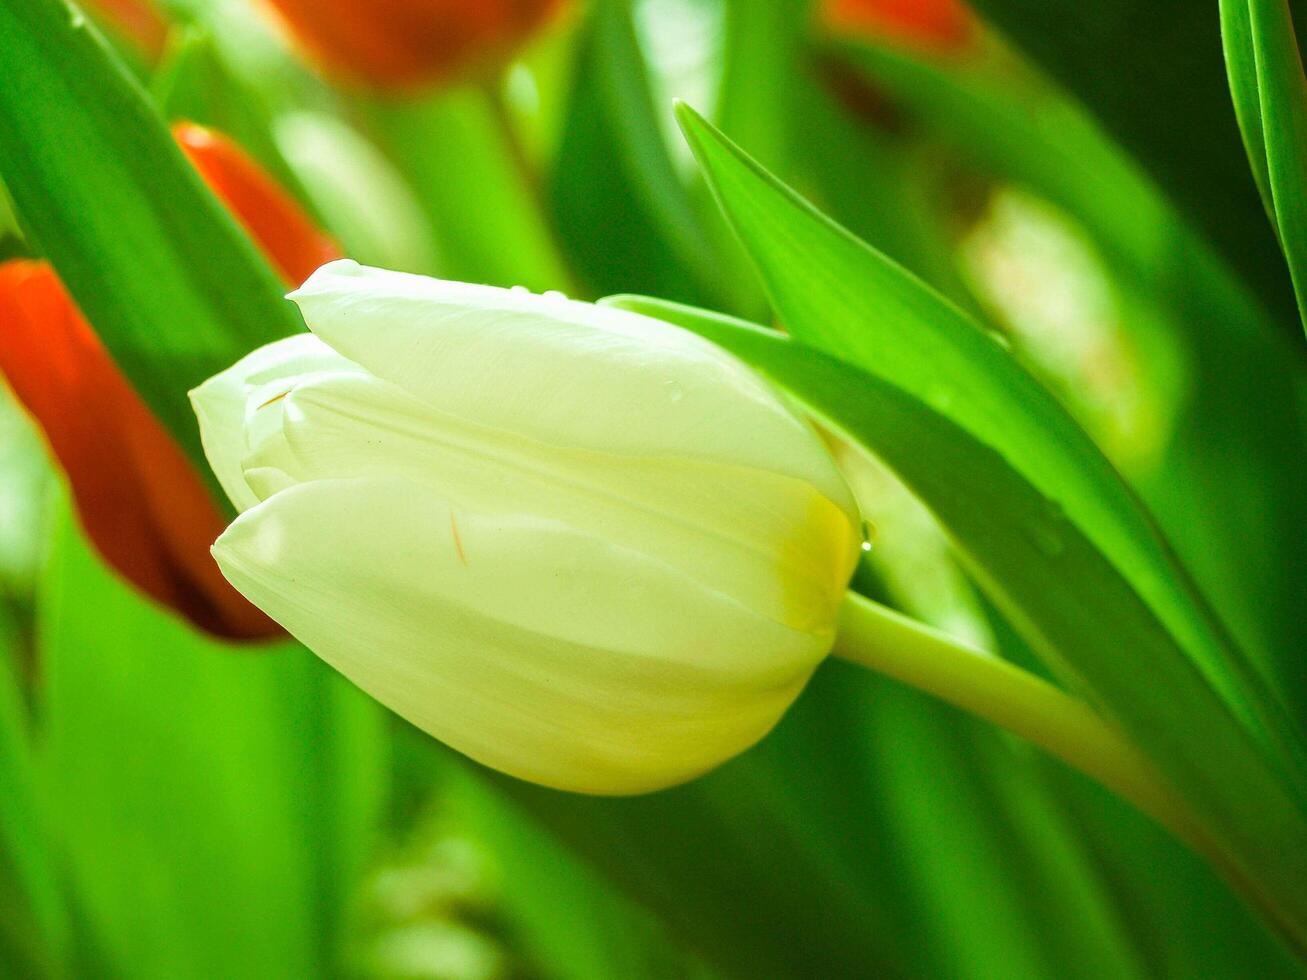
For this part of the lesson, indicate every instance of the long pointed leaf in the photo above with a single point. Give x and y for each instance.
(1064, 595)
(836, 294)
(1270, 101)
(172, 285)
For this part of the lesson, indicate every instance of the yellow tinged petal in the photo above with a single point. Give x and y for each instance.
(531, 645)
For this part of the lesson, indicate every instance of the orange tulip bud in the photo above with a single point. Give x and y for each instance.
(935, 24)
(141, 502)
(408, 43)
(288, 237)
(138, 497)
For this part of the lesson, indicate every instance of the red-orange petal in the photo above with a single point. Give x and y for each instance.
(139, 499)
(139, 21)
(403, 44)
(287, 236)
(942, 25)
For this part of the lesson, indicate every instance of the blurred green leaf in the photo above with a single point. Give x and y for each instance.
(1270, 101)
(363, 200)
(195, 83)
(836, 294)
(171, 283)
(1150, 71)
(622, 212)
(210, 806)
(34, 931)
(478, 191)
(566, 917)
(759, 98)
(1067, 599)
(1238, 443)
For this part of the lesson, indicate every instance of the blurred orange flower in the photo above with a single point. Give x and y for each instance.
(140, 500)
(136, 20)
(408, 43)
(936, 24)
(288, 237)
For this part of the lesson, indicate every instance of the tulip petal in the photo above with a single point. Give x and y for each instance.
(532, 646)
(773, 543)
(539, 366)
(225, 402)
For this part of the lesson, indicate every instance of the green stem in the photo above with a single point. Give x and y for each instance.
(889, 643)
(892, 644)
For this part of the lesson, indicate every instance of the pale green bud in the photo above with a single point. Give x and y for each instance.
(580, 545)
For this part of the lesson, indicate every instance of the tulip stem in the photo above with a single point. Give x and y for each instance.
(892, 644)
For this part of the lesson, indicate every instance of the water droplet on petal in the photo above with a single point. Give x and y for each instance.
(868, 535)
(674, 391)
(554, 294)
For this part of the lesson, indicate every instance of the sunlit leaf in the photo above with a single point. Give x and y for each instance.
(1068, 600)
(1237, 443)
(1270, 100)
(173, 286)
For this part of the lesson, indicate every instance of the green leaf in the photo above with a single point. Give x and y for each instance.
(622, 212)
(1241, 69)
(836, 294)
(459, 155)
(1270, 101)
(173, 286)
(34, 932)
(1150, 72)
(212, 808)
(1061, 591)
(196, 84)
(1237, 442)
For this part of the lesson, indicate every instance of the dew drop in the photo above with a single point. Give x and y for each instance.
(868, 535)
(554, 295)
(674, 391)
(520, 290)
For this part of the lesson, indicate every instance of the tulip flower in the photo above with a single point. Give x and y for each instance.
(580, 545)
(404, 44)
(140, 501)
(936, 24)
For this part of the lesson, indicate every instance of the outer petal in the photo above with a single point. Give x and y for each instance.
(225, 402)
(530, 645)
(561, 372)
(770, 541)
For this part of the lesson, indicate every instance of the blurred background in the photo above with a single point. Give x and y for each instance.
(183, 794)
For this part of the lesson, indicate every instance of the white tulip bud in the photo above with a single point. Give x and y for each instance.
(580, 545)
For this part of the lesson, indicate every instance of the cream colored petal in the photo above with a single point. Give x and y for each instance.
(226, 402)
(564, 373)
(531, 646)
(771, 542)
